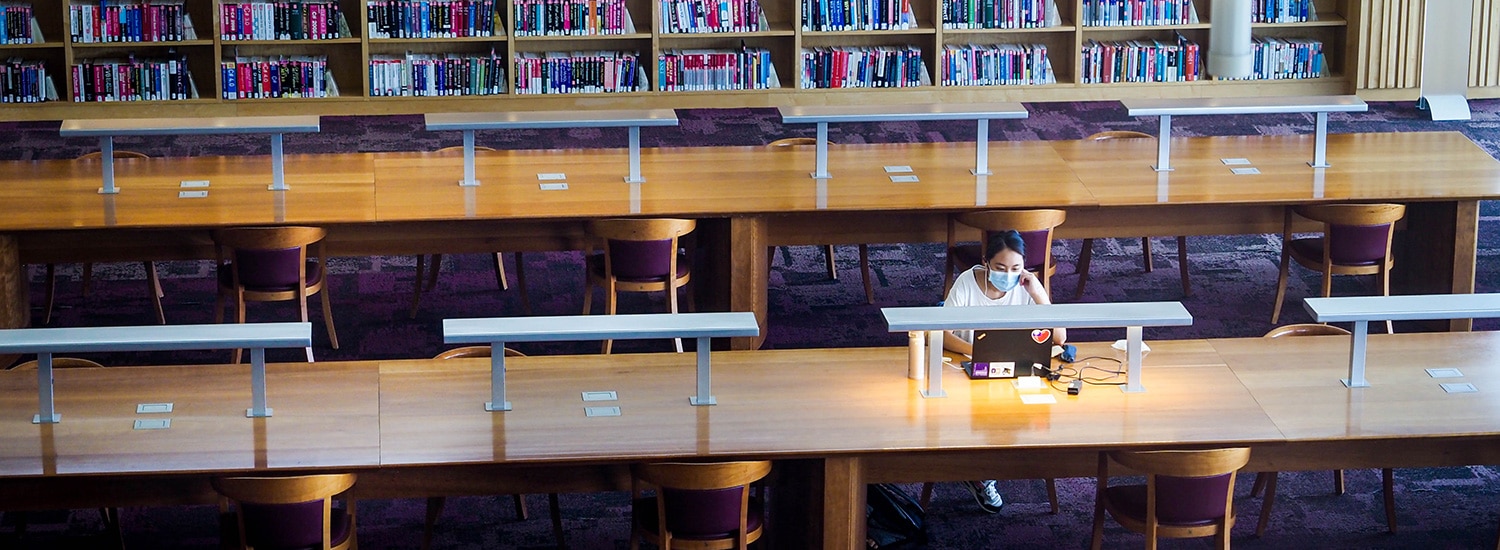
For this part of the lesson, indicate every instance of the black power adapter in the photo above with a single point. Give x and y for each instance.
(1074, 387)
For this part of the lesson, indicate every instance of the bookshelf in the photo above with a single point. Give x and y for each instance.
(487, 54)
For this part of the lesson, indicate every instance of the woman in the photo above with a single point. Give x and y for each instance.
(1001, 281)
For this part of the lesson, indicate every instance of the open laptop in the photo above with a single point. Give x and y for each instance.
(1010, 353)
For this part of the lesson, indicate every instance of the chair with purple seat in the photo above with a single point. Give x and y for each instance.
(704, 506)
(1086, 252)
(1356, 240)
(270, 264)
(1187, 494)
(291, 513)
(792, 143)
(639, 255)
(1036, 228)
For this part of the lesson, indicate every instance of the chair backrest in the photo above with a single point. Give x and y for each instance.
(474, 351)
(1035, 227)
(1355, 234)
(266, 257)
(61, 363)
(119, 154)
(640, 248)
(284, 512)
(1119, 134)
(1187, 486)
(792, 142)
(1306, 329)
(702, 498)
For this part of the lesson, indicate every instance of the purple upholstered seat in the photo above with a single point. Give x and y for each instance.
(700, 514)
(269, 270)
(292, 526)
(1362, 245)
(1180, 501)
(968, 255)
(640, 261)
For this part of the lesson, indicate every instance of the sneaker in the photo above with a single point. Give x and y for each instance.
(985, 494)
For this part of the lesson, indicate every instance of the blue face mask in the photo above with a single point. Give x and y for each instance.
(1004, 281)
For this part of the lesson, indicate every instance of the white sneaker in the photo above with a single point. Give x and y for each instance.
(985, 494)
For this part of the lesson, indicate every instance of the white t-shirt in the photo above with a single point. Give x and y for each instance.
(966, 292)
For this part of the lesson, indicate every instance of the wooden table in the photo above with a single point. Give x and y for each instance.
(751, 198)
(833, 419)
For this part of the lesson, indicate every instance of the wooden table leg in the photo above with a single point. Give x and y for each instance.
(749, 274)
(15, 294)
(843, 503)
(1437, 252)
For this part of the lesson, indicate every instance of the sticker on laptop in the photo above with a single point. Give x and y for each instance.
(1041, 335)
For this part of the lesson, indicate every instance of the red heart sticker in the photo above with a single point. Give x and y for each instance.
(1041, 335)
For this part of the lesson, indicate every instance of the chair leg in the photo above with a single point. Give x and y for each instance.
(521, 283)
(833, 266)
(557, 525)
(51, 293)
(500, 272)
(1259, 485)
(864, 270)
(926, 497)
(434, 509)
(88, 278)
(1286, 258)
(1146, 251)
(1182, 265)
(153, 282)
(1388, 487)
(1266, 505)
(1338, 482)
(1052, 494)
(416, 287)
(1098, 539)
(1085, 254)
(333, 336)
(432, 275)
(520, 502)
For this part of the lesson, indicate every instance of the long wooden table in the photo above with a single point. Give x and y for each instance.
(750, 198)
(833, 419)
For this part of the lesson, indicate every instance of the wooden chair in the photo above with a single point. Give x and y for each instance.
(1356, 240)
(435, 504)
(697, 506)
(152, 281)
(1086, 253)
(270, 264)
(1036, 228)
(1266, 481)
(786, 144)
(285, 513)
(1187, 494)
(640, 255)
(437, 263)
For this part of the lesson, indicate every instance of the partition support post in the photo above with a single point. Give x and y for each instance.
(497, 402)
(469, 178)
(704, 397)
(982, 149)
(46, 411)
(822, 150)
(1164, 145)
(107, 161)
(1133, 360)
(1320, 143)
(258, 408)
(1356, 377)
(278, 168)
(934, 365)
(635, 156)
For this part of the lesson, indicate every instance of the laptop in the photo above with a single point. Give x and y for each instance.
(1010, 353)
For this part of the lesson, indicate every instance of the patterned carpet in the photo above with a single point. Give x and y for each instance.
(1233, 281)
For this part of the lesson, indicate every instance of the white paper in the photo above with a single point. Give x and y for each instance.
(1038, 399)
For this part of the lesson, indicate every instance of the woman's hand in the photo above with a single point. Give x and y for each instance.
(1029, 280)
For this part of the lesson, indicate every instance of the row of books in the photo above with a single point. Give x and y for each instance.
(279, 20)
(437, 75)
(1139, 61)
(1286, 58)
(1116, 13)
(863, 67)
(709, 16)
(16, 22)
(997, 14)
(579, 72)
(433, 18)
(857, 15)
(997, 65)
(25, 81)
(129, 21)
(572, 17)
(132, 79)
(1283, 11)
(704, 70)
(277, 77)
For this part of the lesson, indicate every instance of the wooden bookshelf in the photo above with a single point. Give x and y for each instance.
(349, 58)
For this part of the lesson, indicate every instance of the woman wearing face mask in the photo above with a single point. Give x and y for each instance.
(1001, 281)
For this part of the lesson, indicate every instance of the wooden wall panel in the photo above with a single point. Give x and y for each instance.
(1390, 42)
(1484, 45)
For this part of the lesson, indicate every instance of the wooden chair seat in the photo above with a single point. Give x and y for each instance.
(291, 513)
(1356, 240)
(637, 255)
(1187, 494)
(698, 506)
(271, 264)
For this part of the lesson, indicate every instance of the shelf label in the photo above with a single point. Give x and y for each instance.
(192, 194)
(904, 179)
(554, 186)
(898, 169)
(551, 176)
(194, 183)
